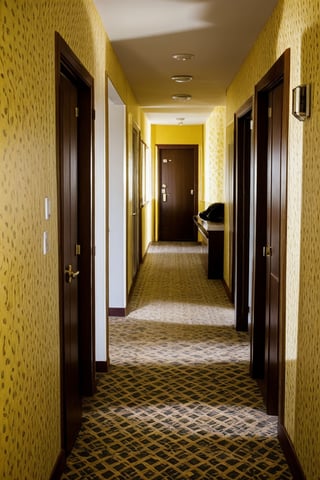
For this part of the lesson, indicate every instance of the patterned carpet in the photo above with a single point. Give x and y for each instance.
(178, 403)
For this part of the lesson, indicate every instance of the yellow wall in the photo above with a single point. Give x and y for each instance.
(176, 135)
(179, 135)
(29, 297)
(295, 24)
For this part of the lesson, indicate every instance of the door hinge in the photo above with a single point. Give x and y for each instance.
(78, 249)
(251, 125)
(93, 114)
(76, 112)
(270, 112)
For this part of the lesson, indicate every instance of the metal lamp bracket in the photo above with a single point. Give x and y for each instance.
(301, 101)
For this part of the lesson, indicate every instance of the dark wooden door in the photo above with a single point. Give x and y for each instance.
(267, 333)
(75, 162)
(242, 215)
(272, 249)
(69, 224)
(178, 188)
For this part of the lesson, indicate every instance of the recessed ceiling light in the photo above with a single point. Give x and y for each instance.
(182, 78)
(181, 96)
(182, 57)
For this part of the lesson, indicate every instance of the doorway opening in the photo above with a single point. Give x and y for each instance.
(134, 176)
(75, 173)
(117, 203)
(242, 201)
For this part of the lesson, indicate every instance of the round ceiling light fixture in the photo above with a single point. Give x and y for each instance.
(182, 57)
(180, 120)
(182, 78)
(182, 97)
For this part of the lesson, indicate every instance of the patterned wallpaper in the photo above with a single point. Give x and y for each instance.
(295, 24)
(214, 156)
(29, 314)
(308, 365)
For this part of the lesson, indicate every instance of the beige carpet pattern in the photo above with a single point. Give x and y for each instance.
(178, 403)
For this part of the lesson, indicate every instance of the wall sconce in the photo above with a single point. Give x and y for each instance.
(301, 102)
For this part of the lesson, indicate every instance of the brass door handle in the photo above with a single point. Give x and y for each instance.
(70, 274)
(164, 192)
(267, 251)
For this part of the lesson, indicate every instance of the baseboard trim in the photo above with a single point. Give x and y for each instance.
(59, 466)
(145, 253)
(116, 312)
(227, 289)
(102, 366)
(290, 453)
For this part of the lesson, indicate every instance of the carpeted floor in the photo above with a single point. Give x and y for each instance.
(178, 403)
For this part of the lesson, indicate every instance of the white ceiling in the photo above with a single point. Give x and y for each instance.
(146, 33)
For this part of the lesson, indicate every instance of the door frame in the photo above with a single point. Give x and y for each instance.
(66, 62)
(242, 169)
(195, 149)
(279, 72)
(116, 208)
(136, 199)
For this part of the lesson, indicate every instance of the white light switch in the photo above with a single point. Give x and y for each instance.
(47, 208)
(45, 243)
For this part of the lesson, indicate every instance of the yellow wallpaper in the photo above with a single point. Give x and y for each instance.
(29, 310)
(295, 24)
(214, 156)
(307, 419)
(177, 134)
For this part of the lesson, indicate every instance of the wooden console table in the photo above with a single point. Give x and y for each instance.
(213, 236)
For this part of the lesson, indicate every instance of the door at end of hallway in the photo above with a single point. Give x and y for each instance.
(178, 192)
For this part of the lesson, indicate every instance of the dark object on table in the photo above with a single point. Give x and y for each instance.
(214, 213)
